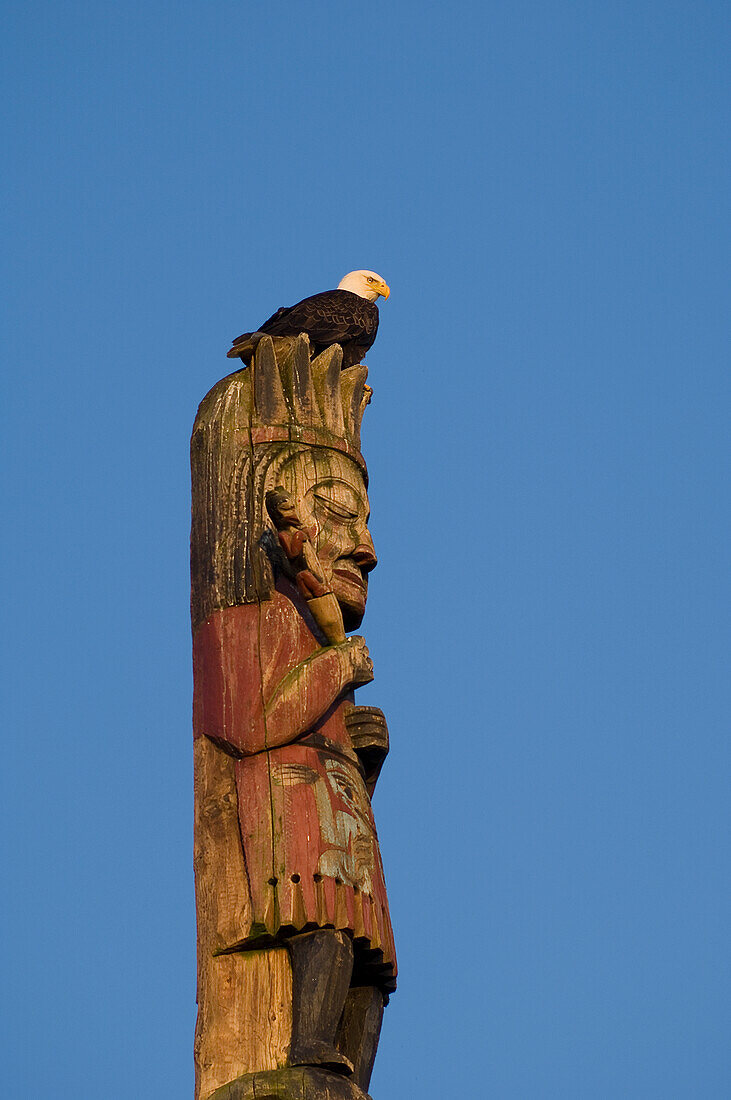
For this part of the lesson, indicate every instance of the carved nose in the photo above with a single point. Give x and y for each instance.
(365, 558)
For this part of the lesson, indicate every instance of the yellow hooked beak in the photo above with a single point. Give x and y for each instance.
(384, 290)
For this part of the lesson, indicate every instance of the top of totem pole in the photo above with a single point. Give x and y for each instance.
(286, 395)
(247, 428)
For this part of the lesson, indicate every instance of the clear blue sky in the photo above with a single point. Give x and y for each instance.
(545, 187)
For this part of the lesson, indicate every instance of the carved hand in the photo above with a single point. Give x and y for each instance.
(359, 659)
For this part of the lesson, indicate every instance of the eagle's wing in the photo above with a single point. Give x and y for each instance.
(333, 317)
(281, 312)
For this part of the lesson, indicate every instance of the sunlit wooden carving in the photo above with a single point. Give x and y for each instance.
(295, 948)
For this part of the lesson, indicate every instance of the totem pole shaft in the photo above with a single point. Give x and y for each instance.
(295, 949)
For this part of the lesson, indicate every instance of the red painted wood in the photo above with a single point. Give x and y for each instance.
(270, 694)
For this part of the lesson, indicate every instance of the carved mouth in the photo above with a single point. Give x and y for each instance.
(350, 573)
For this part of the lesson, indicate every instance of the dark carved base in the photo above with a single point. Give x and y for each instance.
(294, 1083)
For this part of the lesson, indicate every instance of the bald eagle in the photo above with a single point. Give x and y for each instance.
(347, 316)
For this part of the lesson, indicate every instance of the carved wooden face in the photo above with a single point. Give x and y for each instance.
(332, 504)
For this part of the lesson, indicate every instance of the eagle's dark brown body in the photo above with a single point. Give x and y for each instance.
(332, 317)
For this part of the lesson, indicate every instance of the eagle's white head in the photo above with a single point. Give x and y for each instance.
(366, 283)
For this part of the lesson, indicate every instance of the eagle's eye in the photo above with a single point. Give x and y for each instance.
(371, 279)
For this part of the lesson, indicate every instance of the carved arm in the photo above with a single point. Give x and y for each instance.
(309, 690)
(233, 707)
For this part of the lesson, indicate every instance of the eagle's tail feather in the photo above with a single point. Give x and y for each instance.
(244, 346)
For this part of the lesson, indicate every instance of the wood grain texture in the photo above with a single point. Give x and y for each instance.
(300, 1083)
(360, 1030)
(244, 999)
(223, 901)
(286, 849)
(369, 735)
(322, 965)
(244, 1017)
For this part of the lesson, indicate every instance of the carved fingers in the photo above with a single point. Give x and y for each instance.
(359, 660)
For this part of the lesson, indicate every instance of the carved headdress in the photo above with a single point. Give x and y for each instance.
(247, 427)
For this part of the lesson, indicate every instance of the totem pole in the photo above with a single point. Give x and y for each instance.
(295, 948)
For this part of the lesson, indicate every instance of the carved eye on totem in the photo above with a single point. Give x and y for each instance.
(334, 508)
(335, 501)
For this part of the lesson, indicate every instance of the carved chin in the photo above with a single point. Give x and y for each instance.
(352, 599)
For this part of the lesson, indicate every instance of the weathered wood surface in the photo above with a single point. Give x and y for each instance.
(359, 1031)
(223, 900)
(300, 1083)
(245, 1017)
(295, 948)
(322, 966)
(269, 695)
(369, 734)
(243, 426)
